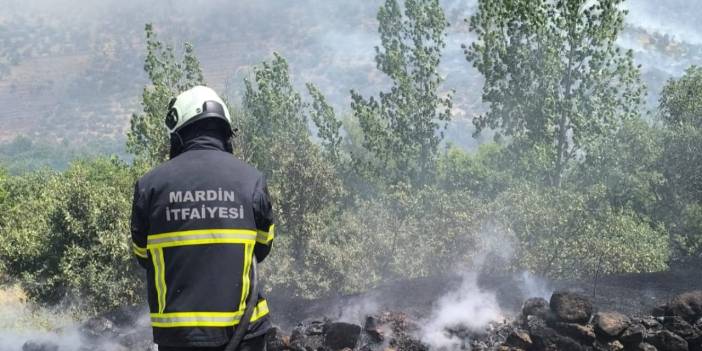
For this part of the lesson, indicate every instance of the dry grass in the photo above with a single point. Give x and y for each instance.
(17, 313)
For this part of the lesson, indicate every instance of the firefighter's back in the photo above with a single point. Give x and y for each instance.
(200, 241)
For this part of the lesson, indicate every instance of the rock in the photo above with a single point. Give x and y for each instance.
(315, 327)
(547, 339)
(534, 323)
(98, 328)
(614, 345)
(407, 344)
(634, 335)
(584, 334)
(645, 347)
(296, 335)
(341, 335)
(39, 346)
(660, 310)
(678, 325)
(307, 335)
(519, 339)
(687, 305)
(535, 306)
(571, 307)
(372, 329)
(667, 341)
(275, 340)
(652, 324)
(140, 339)
(610, 324)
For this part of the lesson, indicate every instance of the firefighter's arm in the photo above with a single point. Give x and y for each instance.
(139, 226)
(263, 215)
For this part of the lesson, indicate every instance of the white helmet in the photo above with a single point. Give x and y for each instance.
(194, 104)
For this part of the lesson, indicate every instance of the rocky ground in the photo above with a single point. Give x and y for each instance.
(637, 312)
(569, 321)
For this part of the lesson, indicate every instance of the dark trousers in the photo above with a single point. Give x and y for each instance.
(254, 344)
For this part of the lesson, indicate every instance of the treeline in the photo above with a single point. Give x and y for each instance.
(577, 183)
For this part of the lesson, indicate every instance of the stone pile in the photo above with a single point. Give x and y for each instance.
(387, 331)
(568, 322)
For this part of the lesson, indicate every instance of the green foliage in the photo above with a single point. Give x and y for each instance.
(66, 236)
(401, 129)
(274, 115)
(568, 234)
(276, 139)
(680, 103)
(147, 138)
(681, 162)
(554, 75)
(484, 173)
(627, 166)
(328, 126)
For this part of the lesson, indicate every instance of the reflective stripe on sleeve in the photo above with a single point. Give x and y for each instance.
(265, 237)
(139, 251)
(159, 277)
(245, 279)
(200, 237)
(206, 319)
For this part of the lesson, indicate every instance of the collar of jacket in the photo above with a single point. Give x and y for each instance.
(204, 142)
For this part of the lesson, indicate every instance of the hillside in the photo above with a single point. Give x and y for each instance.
(78, 77)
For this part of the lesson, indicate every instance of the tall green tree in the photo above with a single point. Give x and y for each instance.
(328, 126)
(147, 138)
(303, 183)
(404, 127)
(274, 114)
(680, 103)
(680, 109)
(555, 78)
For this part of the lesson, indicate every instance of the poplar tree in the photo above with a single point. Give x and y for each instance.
(404, 126)
(147, 138)
(555, 79)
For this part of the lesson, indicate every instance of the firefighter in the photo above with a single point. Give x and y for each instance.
(198, 220)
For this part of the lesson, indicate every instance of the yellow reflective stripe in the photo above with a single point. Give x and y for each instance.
(195, 321)
(159, 277)
(265, 237)
(202, 231)
(245, 279)
(139, 251)
(205, 319)
(260, 311)
(202, 236)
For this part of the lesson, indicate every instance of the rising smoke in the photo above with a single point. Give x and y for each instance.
(472, 306)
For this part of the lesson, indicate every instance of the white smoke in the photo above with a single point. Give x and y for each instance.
(471, 307)
(356, 310)
(468, 307)
(22, 322)
(535, 286)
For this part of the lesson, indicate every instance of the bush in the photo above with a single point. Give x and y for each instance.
(567, 234)
(67, 236)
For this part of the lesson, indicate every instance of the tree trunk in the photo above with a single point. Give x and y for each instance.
(562, 149)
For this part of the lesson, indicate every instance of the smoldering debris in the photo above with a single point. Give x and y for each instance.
(95, 334)
(568, 321)
(468, 308)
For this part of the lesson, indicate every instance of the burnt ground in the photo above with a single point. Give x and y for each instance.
(404, 305)
(632, 294)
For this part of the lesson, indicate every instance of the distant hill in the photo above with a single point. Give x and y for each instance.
(74, 73)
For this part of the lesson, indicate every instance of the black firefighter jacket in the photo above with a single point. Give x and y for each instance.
(197, 221)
